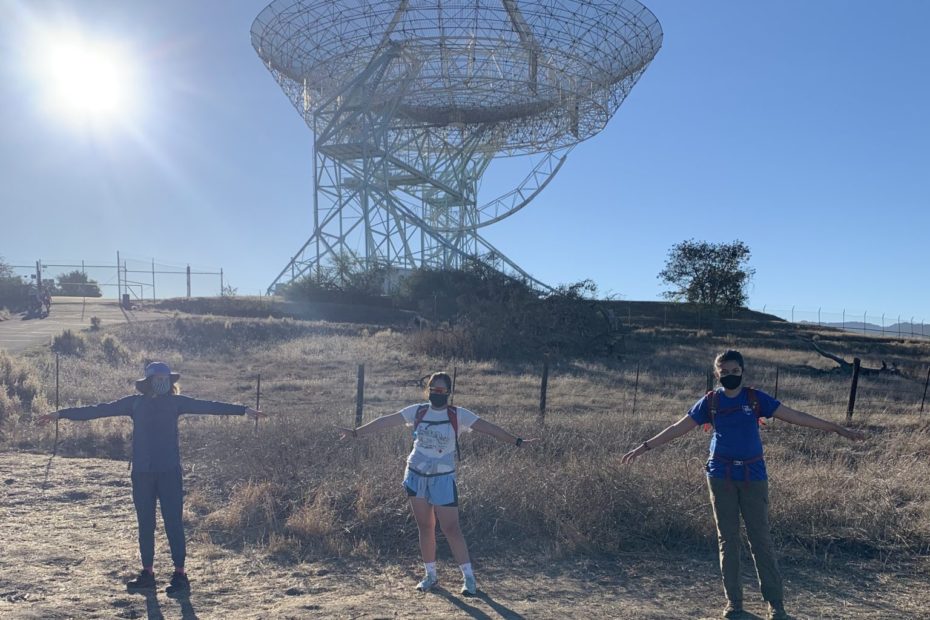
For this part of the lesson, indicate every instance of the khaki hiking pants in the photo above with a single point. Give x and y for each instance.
(730, 500)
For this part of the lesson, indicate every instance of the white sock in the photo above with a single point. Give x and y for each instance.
(430, 568)
(466, 570)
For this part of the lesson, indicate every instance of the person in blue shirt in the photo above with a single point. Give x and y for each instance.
(156, 461)
(736, 474)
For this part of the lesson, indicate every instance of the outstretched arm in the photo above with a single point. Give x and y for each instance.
(376, 425)
(119, 407)
(483, 426)
(212, 407)
(805, 419)
(671, 433)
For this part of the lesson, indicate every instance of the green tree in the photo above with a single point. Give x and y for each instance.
(77, 284)
(14, 292)
(714, 274)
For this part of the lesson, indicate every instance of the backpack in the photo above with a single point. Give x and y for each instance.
(713, 403)
(453, 414)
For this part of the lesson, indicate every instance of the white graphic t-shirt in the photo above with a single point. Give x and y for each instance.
(434, 444)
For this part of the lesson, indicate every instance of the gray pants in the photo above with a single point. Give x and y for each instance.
(167, 488)
(730, 500)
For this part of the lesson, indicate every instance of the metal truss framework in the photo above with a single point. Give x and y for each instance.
(410, 101)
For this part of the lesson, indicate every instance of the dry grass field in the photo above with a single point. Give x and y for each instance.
(560, 529)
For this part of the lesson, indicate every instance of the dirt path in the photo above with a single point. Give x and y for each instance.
(65, 552)
(19, 333)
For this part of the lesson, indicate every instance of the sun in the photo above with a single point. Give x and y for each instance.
(82, 79)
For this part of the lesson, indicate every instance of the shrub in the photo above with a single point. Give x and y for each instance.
(69, 343)
(114, 351)
(95, 323)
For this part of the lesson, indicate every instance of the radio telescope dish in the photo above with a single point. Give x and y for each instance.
(410, 100)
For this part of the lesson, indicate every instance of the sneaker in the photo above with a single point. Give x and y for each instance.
(777, 611)
(428, 582)
(145, 581)
(734, 609)
(469, 587)
(180, 585)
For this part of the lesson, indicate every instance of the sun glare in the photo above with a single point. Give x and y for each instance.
(84, 80)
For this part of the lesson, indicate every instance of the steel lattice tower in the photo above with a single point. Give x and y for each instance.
(410, 100)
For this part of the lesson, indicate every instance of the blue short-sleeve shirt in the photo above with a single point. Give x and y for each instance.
(736, 432)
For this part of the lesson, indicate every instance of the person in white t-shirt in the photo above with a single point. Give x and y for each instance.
(429, 480)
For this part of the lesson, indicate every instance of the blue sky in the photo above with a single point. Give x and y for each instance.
(799, 127)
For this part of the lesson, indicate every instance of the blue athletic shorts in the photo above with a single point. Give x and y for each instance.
(436, 490)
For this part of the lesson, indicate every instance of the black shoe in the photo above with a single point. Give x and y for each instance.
(734, 609)
(145, 581)
(180, 585)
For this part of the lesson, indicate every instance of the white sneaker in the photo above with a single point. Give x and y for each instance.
(469, 587)
(428, 582)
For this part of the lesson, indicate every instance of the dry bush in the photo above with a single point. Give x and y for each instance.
(69, 343)
(113, 350)
(252, 512)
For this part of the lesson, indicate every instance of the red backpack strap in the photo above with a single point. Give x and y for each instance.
(754, 404)
(421, 413)
(453, 414)
(712, 404)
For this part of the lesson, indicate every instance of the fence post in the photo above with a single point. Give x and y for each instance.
(153, 279)
(258, 397)
(542, 392)
(776, 383)
(455, 371)
(221, 282)
(359, 395)
(924, 398)
(852, 389)
(188, 281)
(635, 388)
(119, 275)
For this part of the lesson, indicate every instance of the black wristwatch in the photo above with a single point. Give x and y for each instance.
(518, 442)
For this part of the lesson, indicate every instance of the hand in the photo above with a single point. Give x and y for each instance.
(850, 433)
(254, 414)
(346, 433)
(42, 420)
(632, 455)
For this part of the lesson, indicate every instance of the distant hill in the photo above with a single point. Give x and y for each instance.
(903, 329)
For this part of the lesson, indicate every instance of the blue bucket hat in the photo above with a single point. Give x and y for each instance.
(156, 368)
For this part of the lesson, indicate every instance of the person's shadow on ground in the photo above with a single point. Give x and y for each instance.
(187, 608)
(152, 608)
(474, 612)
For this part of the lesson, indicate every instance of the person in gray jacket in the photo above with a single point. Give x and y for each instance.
(156, 461)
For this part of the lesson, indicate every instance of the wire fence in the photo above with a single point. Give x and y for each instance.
(884, 324)
(125, 278)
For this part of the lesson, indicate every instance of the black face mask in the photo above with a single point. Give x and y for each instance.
(731, 382)
(438, 400)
